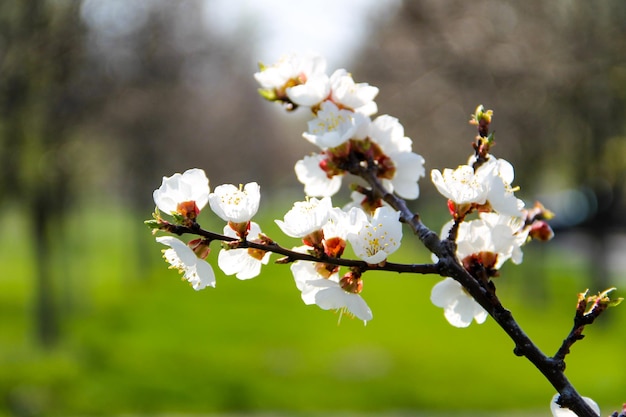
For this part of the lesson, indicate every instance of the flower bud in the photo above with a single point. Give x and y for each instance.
(314, 239)
(200, 247)
(484, 262)
(188, 210)
(334, 247)
(541, 230)
(352, 282)
(240, 228)
(481, 116)
(459, 211)
(538, 212)
(257, 254)
(330, 167)
(326, 270)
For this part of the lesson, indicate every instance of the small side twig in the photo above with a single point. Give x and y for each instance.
(588, 309)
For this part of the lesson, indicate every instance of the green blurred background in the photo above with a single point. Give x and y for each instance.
(101, 98)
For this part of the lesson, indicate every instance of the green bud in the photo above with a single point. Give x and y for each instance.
(615, 303)
(604, 298)
(268, 94)
(178, 218)
(153, 224)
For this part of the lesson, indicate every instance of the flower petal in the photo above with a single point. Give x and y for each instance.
(557, 411)
(197, 271)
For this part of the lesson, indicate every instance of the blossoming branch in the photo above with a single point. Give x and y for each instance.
(488, 224)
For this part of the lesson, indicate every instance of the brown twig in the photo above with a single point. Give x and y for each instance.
(584, 315)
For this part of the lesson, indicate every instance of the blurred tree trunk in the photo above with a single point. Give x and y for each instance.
(37, 107)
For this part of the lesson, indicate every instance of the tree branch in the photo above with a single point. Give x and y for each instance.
(269, 245)
(445, 250)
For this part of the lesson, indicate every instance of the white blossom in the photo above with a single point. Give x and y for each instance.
(508, 235)
(288, 67)
(313, 84)
(497, 176)
(459, 308)
(197, 271)
(374, 240)
(242, 262)
(326, 292)
(332, 126)
(341, 223)
(409, 169)
(358, 97)
(234, 204)
(557, 411)
(306, 217)
(191, 185)
(313, 91)
(491, 232)
(316, 182)
(460, 185)
(388, 133)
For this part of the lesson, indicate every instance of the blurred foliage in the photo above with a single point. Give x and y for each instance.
(138, 340)
(552, 72)
(100, 98)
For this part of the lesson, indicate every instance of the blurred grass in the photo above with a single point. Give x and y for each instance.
(137, 340)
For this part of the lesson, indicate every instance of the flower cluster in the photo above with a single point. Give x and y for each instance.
(488, 226)
(183, 196)
(502, 225)
(325, 231)
(342, 128)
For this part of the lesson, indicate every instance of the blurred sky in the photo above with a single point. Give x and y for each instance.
(329, 27)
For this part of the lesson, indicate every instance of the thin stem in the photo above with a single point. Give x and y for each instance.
(574, 335)
(583, 317)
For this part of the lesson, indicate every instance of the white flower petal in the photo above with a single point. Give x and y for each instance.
(459, 308)
(289, 67)
(409, 169)
(378, 238)
(316, 183)
(497, 175)
(192, 185)
(387, 132)
(557, 411)
(197, 271)
(306, 217)
(233, 204)
(328, 295)
(239, 261)
(334, 298)
(331, 127)
(459, 185)
(302, 273)
(358, 97)
(316, 89)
